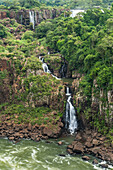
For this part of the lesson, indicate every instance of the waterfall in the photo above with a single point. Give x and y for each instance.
(35, 17)
(21, 18)
(63, 70)
(75, 12)
(31, 16)
(70, 120)
(45, 67)
(70, 116)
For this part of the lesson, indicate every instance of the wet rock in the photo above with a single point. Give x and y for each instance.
(78, 137)
(88, 144)
(78, 148)
(102, 138)
(94, 150)
(95, 161)
(60, 124)
(11, 138)
(48, 132)
(60, 143)
(95, 142)
(63, 155)
(29, 127)
(86, 158)
(37, 139)
(47, 141)
(111, 156)
(70, 151)
(17, 134)
(44, 137)
(104, 165)
(69, 147)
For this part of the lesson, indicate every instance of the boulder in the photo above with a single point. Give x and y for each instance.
(78, 148)
(60, 143)
(48, 132)
(69, 147)
(96, 142)
(11, 138)
(63, 155)
(70, 151)
(86, 158)
(88, 144)
(37, 139)
(104, 165)
(95, 161)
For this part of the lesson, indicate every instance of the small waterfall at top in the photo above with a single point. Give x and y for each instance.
(45, 67)
(35, 17)
(63, 70)
(21, 18)
(70, 117)
(32, 19)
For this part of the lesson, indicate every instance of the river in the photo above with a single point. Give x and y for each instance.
(30, 155)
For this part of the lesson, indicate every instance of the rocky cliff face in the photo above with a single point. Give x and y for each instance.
(5, 80)
(100, 107)
(58, 66)
(12, 85)
(22, 16)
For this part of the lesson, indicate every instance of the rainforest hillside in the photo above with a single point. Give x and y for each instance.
(73, 4)
(86, 42)
(83, 45)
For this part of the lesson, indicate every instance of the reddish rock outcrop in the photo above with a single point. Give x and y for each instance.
(3, 14)
(22, 16)
(17, 131)
(92, 143)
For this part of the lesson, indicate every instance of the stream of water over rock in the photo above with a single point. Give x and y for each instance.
(71, 121)
(70, 115)
(32, 18)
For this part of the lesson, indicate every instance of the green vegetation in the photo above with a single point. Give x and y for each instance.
(12, 4)
(73, 4)
(21, 114)
(86, 43)
(26, 87)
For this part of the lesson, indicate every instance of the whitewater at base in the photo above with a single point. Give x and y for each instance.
(30, 155)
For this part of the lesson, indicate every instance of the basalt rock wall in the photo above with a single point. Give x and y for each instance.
(99, 109)
(22, 16)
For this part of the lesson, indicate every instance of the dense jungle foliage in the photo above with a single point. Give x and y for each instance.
(20, 49)
(86, 42)
(81, 4)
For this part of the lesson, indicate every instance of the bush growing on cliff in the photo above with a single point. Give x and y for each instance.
(28, 35)
(3, 31)
(33, 63)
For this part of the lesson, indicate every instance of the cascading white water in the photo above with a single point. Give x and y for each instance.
(35, 17)
(71, 121)
(63, 70)
(32, 19)
(45, 67)
(21, 19)
(75, 12)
